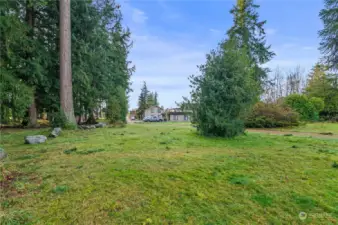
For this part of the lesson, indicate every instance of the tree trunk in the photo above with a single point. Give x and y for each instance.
(66, 89)
(91, 119)
(32, 115)
(30, 21)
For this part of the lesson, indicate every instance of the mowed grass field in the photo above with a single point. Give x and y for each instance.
(314, 128)
(164, 173)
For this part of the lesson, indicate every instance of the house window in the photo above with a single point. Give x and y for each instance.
(158, 110)
(186, 117)
(152, 110)
(175, 117)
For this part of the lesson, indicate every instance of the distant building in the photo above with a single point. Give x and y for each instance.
(177, 114)
(132, 114)
(153, 111)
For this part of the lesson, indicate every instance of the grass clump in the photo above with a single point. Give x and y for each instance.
(60, 189)
(239, 179)
(29, 156)
(16, 218)
(328, 151)
(335, 165)
(70, 151)
(305, 202)
(91, 151)
(263, 200)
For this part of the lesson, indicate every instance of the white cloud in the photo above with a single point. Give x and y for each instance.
(164, 59)
(165, 65)
(214, 31)
(138, 16)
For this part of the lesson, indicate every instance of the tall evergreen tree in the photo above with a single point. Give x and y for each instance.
(224, 92)
(186, 104)
(250, 35)
(21, 59)
(66, 86)
(151, 99)
(329, 34)
(323, 84)
(142, 101)
(156, 103)
(99, 54)
(231, 80)
(30, 18)
(317, 84)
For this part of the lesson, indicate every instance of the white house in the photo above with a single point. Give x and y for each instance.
(153, 111)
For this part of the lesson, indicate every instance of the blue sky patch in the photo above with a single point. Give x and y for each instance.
(172, 37)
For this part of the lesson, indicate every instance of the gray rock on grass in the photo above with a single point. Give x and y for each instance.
(35, 139)
(3, 154)
(100, 125)
(87, 127)
(56, 132)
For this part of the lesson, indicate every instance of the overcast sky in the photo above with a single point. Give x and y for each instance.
(172, 37)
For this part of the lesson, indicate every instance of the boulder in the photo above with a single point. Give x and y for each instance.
(36, 139)
(3, 154)
(56, 132)
(100, 125)
(86, 127)
(91, 126)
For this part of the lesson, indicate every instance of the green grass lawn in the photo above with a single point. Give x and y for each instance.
(166, 174)
(314, 128)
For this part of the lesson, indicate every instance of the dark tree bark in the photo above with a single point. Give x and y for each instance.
(32, 112)
(32, 115)
(66, 89)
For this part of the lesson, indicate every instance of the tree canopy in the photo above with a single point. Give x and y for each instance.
(329, 34)
(145, 100)
(30, 63)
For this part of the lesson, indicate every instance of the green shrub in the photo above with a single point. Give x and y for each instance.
(308, 109)
(70, 126)
(268, 115)
(226, 128)
(328, 116)
(317, 103)
(58, 119)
